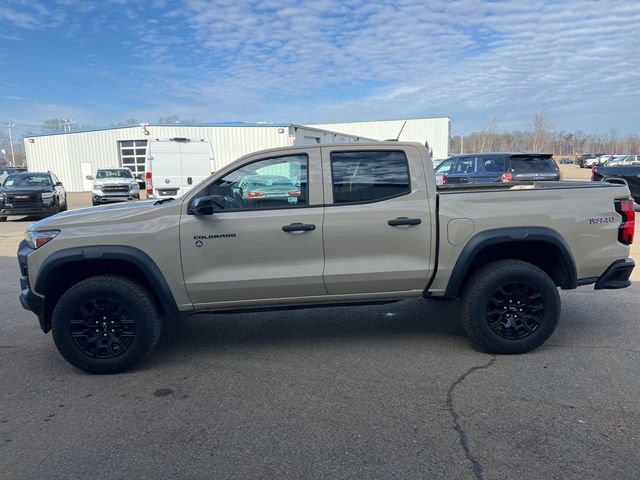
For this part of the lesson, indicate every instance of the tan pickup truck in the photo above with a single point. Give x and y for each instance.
(330, 224)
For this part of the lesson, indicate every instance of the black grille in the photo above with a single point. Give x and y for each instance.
(115, 188)
(24, 199)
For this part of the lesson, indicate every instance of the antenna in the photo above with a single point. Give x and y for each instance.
(400, 132)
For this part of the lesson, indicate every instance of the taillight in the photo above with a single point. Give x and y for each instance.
(444, 179)
(255, 194)
(507, 177)
(628, 225)
(148, 183)
(593, 174)
(294, 194)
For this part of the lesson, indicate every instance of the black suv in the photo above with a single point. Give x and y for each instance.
(30, 193)
(497, 167)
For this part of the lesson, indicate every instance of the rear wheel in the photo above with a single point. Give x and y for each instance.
(3, 219)
(105, 324)
(510, 307)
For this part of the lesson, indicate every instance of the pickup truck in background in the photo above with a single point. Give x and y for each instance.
(357, 224)
(628, 175)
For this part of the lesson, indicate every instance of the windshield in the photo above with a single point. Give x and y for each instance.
(35, 180)
(114, 173)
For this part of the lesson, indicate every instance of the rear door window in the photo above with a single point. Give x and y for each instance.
(369, 176)
(464, 166)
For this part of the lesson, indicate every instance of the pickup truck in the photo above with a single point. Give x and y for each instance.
(360, 224)
(630, 175)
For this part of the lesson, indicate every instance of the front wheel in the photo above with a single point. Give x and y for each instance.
(105, 324)
(3, 219)
(510, 307)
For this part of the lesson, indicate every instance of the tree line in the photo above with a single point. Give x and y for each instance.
(541, 137)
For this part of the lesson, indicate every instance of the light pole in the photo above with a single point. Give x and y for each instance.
(10, 125)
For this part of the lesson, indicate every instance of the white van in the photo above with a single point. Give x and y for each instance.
(175, 166)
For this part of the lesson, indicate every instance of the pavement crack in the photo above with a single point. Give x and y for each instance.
(476, 466)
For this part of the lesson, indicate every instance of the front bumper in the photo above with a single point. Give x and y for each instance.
(617, 275)
(115, 198)
(29, 300)
(30, 210)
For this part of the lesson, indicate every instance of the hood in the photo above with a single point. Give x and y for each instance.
(116, 213)
(115, 181)
(19, 190)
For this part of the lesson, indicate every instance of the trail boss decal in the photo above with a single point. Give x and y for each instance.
(602, 220)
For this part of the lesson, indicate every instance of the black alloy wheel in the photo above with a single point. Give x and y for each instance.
(515, 310)
(103, 328)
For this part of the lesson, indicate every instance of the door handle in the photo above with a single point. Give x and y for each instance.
(298, 227)
(404, 221)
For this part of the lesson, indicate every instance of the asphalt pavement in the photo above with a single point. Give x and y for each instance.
(389, 391)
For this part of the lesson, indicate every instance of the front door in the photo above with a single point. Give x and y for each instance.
(377, 225)
(264, 240)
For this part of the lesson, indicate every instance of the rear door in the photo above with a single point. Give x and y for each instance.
(490, 168)
(196, 161)
(166, 167)
(377, 223)
(533, 168)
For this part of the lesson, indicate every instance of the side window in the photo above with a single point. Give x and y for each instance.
(494, 164)
(270, 183)
(465, 165)
(445, 166)
(369, 176)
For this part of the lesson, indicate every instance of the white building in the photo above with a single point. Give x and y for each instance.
(74, 155)
(434, 131)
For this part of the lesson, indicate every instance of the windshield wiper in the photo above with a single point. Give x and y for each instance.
(163, 200)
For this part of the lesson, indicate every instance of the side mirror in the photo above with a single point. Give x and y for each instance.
(58, 184)
(204, 206)
(89, 177)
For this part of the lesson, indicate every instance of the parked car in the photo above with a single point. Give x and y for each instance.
(566, 161)
(581, 160)
(373, 228)
(497, 167)
(114, 185)
(269, 187)
(629, 175)
(30, 193)
(623, 161)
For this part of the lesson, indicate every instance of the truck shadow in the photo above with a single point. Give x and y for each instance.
(317, 325)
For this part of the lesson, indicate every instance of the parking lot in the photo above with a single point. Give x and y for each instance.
(390, 391)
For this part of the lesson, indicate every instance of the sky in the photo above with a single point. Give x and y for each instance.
(105, 61)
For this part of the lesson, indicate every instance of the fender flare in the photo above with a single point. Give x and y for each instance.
(510, 235)
(125, 253)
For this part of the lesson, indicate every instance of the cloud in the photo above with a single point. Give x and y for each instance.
(332, 60)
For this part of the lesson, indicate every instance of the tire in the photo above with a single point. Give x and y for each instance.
(509, 307)
(64, 207)
(3, 219)
(88, 341)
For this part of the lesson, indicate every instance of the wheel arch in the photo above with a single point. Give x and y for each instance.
(540, 246)
(65, 268)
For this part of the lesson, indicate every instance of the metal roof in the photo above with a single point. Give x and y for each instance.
(210, 124)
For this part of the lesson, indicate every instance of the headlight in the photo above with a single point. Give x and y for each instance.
(134, 187)
(36, 238)
(97, 188)
(1, 197)
(47, 195)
